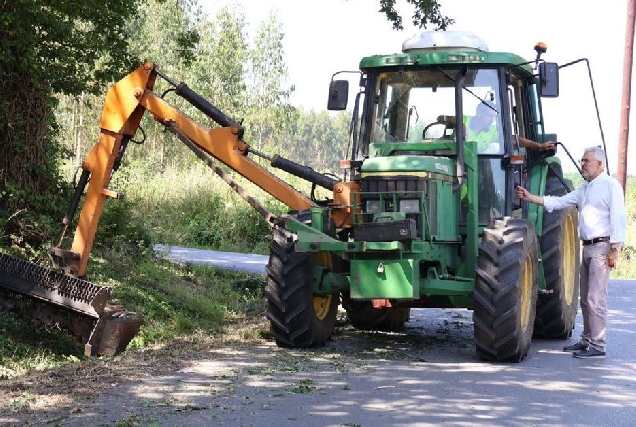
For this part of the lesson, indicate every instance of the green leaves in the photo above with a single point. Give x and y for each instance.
(426, 12)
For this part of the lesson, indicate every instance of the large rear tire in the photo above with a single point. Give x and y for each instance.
(297, 317)
(505, 292)
(556, 309)
(362, 315)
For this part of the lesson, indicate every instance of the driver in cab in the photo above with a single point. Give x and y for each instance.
(482, 128)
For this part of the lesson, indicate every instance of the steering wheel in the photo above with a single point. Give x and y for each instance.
(448, 122)
(440, 122)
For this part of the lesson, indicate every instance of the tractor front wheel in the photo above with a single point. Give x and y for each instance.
(297, 317)
(505, 292)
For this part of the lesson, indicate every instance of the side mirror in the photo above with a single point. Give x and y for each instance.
(549, 79)
(338, 95)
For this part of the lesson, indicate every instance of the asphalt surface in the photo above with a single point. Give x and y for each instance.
(428, 375)
(247, 263)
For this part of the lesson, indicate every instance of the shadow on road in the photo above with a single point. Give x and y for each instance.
(426, 375)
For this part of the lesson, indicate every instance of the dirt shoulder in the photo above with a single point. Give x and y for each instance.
(219, 380)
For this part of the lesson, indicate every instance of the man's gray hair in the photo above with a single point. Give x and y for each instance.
(599, 153)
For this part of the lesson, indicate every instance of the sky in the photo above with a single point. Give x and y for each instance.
(326, 36)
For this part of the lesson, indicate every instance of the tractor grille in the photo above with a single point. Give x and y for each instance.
(407, 194)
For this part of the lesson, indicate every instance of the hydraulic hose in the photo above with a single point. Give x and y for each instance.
(303, 172)
(203, 105)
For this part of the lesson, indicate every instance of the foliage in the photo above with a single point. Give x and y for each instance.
(268, 93)
(46, 48)
(121, 228)
(220, 71)
(321, 134)
(31, 191)
(195, 208)
(425, 12)
(74, 46)
(626, 267)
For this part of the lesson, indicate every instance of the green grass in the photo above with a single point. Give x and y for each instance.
(24, 346)
(175, 300)
(180, 300)
(196, 208)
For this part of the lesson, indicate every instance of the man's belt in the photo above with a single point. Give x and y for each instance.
(596, 240)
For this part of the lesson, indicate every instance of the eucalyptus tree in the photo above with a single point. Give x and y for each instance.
(268, 86)
(158, 34)
(322, 134)
(219, 72)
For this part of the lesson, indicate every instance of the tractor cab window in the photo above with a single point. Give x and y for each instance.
(522, 97)
(413, 106)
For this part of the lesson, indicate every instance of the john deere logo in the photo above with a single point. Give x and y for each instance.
(441, 167)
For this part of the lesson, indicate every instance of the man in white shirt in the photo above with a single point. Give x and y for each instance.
(602, 228)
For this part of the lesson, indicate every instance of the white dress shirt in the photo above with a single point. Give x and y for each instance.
(601, 208)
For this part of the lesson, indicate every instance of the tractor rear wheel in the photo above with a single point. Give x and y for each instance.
(505, 292)
(556, 309)
(297, 317)
(362, 315)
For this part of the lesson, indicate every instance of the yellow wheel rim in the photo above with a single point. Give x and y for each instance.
(569, 259)
(322, 303)
(526, 292)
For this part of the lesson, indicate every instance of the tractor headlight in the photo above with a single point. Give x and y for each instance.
(373, 206)
(409, 205)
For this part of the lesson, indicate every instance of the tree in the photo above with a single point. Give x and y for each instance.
(267, 82)
(158, 34)
(426, 12)
(220, 69)
(49, 47)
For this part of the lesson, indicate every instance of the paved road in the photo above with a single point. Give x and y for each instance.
(248, 263)
(428, 375)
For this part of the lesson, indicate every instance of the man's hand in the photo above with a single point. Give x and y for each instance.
(548, 145)
(612, 258)
(522, 193)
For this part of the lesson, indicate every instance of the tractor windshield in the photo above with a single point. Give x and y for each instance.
(419, 105)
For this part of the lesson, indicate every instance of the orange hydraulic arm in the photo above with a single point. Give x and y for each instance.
(126, 103)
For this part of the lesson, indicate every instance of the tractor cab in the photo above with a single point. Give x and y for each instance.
(447, 95)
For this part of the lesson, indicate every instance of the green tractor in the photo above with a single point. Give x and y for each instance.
(426, 213)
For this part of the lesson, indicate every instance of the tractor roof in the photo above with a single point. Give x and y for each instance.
(443, 48)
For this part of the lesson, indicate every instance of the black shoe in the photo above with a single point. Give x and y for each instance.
(590, 353)
(576, 347)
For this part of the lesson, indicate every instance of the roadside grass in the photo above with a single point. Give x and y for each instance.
(195, 208)
(25, 346)
(176, 301)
